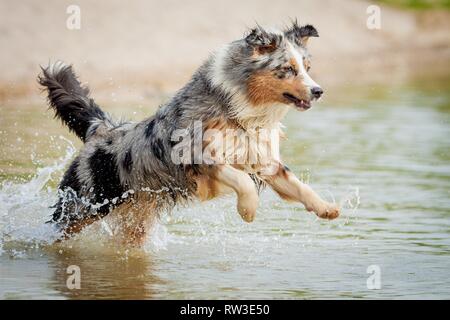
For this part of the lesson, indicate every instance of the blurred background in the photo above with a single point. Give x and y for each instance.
(377, 143)
(144, 47)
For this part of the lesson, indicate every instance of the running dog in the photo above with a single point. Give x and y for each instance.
(248, 85)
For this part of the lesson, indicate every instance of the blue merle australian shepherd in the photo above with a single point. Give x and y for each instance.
(129, 168)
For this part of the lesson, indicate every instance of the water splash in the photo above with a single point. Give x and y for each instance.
(24, 208)
(350, 203)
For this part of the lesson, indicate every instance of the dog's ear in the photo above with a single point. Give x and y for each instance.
(262, 41)
(301, 34)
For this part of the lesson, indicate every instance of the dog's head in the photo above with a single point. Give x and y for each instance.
(272, 67)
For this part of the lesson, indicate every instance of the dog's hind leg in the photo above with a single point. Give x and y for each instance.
(72, 228)
(289, 187)
(77, 226)
(133, 221)
(244, 187)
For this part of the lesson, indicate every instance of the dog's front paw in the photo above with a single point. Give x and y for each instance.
(247, 205)
(326, 211)
(248, 215)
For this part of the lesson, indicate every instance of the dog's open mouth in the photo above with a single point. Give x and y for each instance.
(299, 103)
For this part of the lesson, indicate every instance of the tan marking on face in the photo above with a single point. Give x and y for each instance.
(265, 88)
(307, 64)
(294, 64)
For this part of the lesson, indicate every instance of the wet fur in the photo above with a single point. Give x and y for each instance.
(125, 165)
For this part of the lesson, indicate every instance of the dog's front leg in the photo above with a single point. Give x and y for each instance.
(289, 187)
(244, 187)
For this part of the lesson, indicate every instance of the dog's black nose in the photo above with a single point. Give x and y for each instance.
(316, 92)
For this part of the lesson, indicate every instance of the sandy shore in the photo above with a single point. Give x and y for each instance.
(135, 50)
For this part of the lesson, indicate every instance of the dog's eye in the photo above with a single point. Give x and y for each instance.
(290, 70)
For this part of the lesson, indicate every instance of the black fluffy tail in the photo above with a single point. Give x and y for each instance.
(69, 99)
